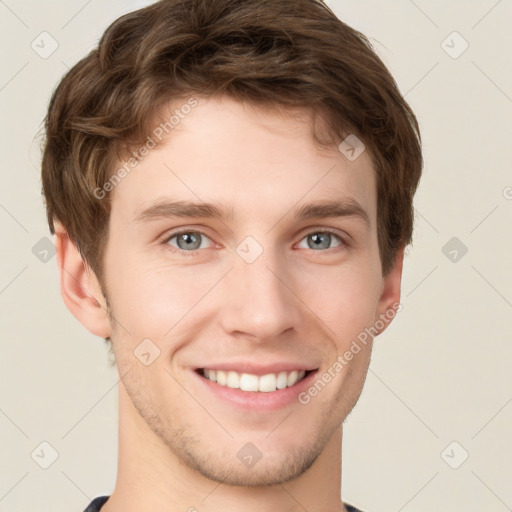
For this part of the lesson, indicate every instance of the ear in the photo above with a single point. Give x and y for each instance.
(389, 302)
(79, 286)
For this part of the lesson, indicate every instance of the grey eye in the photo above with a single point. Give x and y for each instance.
(187, 240)
(320, 240)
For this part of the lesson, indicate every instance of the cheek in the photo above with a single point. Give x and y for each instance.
(155, 301)
(344, 297)
(158, 299)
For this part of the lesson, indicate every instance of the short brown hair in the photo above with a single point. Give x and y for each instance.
(276, 53)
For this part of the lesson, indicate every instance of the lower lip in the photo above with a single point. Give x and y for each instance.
(257, 400)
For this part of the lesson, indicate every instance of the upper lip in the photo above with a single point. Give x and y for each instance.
(258, 369)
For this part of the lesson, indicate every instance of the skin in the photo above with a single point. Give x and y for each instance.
(295, 302)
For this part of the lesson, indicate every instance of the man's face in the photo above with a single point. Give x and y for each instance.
(261, 293)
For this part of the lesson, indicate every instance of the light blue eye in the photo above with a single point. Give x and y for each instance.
(187, 240)
(321, 239)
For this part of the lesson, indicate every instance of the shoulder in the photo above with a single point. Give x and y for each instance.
(97, 503)
(351, 508)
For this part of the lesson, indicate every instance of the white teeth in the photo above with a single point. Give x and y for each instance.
(248, 382)
(221, 377)
(292, 378)
(268, 383)
(233, 380)
(282, 380)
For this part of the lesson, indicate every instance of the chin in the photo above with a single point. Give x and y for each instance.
(263, 473)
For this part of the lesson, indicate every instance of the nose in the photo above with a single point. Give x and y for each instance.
(258, 298)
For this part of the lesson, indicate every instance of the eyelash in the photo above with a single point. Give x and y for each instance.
(170, 236)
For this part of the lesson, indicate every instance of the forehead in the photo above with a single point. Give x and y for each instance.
(245, 158)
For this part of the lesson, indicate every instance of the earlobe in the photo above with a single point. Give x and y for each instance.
(79, 286)
(389, 302)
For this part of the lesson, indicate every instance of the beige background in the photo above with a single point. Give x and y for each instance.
(440, 374)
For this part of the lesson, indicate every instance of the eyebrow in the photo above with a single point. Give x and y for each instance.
(343, 207)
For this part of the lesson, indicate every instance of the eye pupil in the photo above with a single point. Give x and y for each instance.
(192, 240)
(187, 238)
(318, 242)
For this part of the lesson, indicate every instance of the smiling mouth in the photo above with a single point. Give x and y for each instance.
(253, 383)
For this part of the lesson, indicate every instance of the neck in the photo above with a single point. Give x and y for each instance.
(151, 477)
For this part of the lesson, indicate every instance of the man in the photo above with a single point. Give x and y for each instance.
(269, 138)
